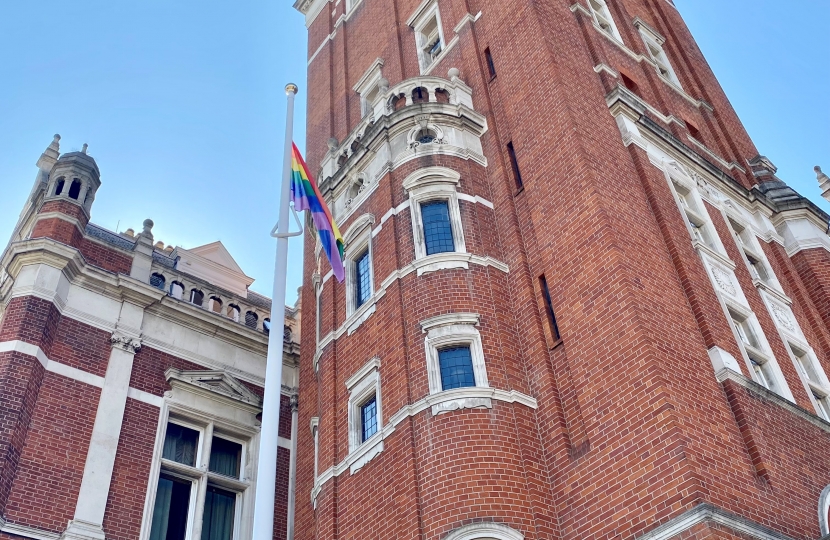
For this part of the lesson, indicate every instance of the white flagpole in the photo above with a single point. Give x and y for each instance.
(269, 436)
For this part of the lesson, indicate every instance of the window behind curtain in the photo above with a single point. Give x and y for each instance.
(217, 521)
(456, 368)
(362, 280)
(369, 419)
(170, 510)
(180, 444)
(225, 457)
(437, 227)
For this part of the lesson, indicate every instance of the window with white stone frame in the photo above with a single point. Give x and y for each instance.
(200, 479)
(455, 360)
(429, 35)
(824, 511)
(438, 235)
(755, 259)
(368, 88)
(603, 18)
(358, 262)
(814, 378)
(204, 465)
(765, 370)
(654, 44)
(365, 414)
(696, 217)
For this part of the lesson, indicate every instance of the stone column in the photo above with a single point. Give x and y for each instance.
(87, 523)
(292, 468)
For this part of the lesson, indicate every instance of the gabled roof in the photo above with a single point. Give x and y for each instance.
(218, 253)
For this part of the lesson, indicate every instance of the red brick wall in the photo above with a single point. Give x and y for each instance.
(813, 267)
(32, 320)
(81, 346)
(59, 230)
(64, 207)
(131, 472)
(632, 428)
(45, 489)
(109, 259)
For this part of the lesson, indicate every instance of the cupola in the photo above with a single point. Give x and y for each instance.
(75, 179)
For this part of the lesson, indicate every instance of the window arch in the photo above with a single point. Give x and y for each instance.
(233, 312)
(176, 290)
(485, 531)
(215, 304)
(157, 281)
(197, 297)
(75, 189)
(266, 326)
(824, 511)
(251, 319)
(59, 186)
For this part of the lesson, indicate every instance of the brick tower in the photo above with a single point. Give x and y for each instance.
(579, 304)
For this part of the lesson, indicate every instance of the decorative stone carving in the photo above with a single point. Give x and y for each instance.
(125, 343)
(783, 317)
(723, 280)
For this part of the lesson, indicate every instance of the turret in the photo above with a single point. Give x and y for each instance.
(70, 192)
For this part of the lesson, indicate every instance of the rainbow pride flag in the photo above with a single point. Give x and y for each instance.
(306, 196)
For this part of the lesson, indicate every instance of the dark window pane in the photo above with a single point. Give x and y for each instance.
(180, 444)
(437, 227)
(170, 510)
(225, 457)
(217, 522)
(456, 368)
(491, 67)
(362, 280)
(514, 163)
(251, 319)
(369, 419)
(554, 327)
(157, 281)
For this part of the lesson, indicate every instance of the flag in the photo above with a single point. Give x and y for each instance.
(306, 196)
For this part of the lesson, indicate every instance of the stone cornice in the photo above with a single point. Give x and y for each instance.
(217, 385)
(708, 513)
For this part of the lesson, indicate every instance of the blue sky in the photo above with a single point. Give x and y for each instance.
(182, 105)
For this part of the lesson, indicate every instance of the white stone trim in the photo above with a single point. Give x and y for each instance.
(488, 531)
(823, 510)
(709, 513)
(493, 394)
(27, 532)
(362, 386)
(462, 334)
(472, 319)
(357, 239)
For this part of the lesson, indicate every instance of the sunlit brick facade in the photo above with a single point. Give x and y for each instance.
(579, 304)
(131, 377)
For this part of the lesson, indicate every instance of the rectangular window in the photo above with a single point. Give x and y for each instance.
(180, 444)
(658, 54)
(491, 67)
(514, 164)
(745, 331)
(437, 227)
(456, 368)
(225, 457)
(603, 18)
(429, 37)
(368, 419)
(194, 483)
(362, 279)
(822, 405)
(554, 327)
(217, 520)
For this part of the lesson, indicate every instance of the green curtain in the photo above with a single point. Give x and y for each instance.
(220, 506)
(161, 511)
(225, 456)
(170, 510)
(180, 444)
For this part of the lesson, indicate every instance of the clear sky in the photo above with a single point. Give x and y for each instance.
(182, 105)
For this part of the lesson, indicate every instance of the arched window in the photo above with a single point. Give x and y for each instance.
(157, 281)
(215, 304)
(824, 511)
(266, 326)
(197, 297)
(176, 290)
(59, 186)
(420, 95)
(75, 189)
(442, 96)
(251, 319)
(485, 531)
(233, 312)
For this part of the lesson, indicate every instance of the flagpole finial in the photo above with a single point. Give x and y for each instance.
(291, 88)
